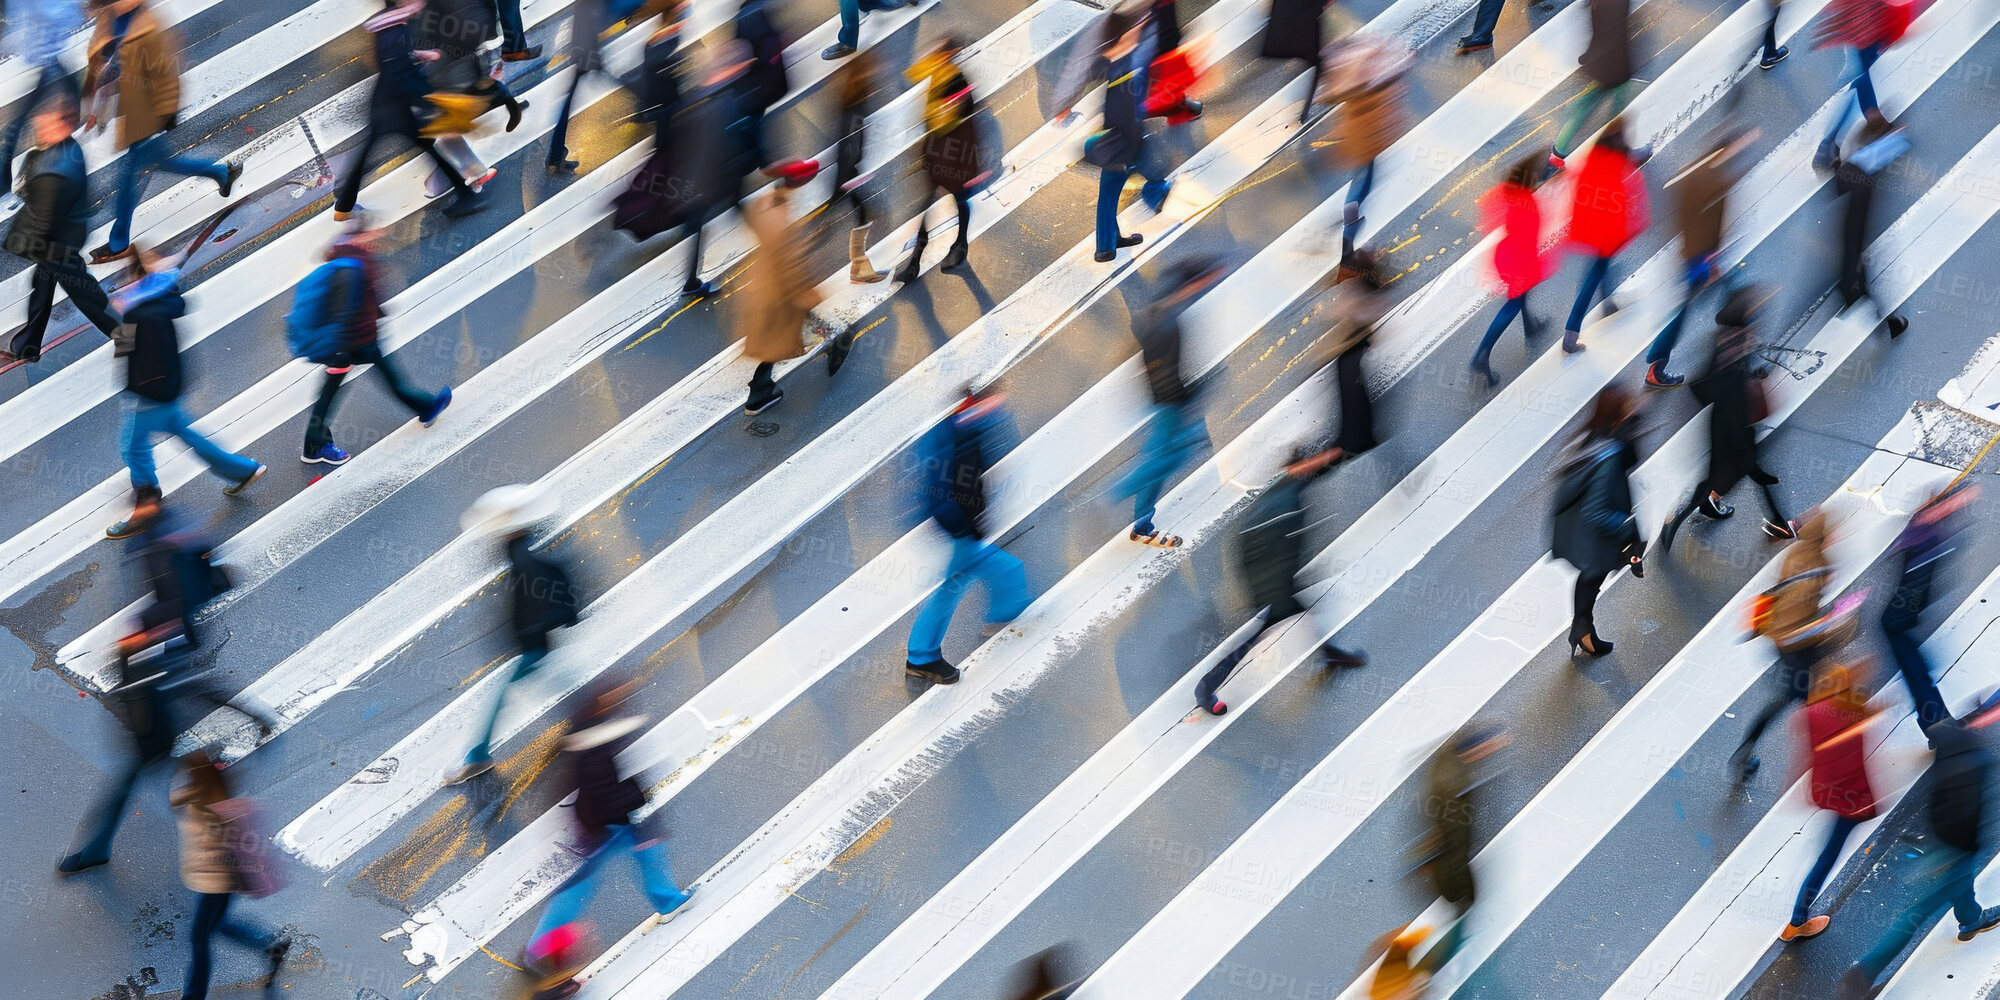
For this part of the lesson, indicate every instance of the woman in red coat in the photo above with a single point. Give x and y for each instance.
(1836, 722)
(1609, 210)
(1518, 260)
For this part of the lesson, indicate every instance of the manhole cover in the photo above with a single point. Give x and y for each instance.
(763, 428)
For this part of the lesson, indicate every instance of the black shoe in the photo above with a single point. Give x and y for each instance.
(1773, 57)
(1855, 984)
(700, 289)
(837, 350)
(26, 359)
(1897, 325)
(1988, 919)
(562, 166)
(911, 270)
(467, 203)
(955, 257)
(1780, 532)
(1334, 656)
(566, 988)
(276, 953)
(759, 404)
(1105, 256)
(1588, 642)
(521, 55)
(1716, 509)
(836, 51)
(231, 171)
(1208, 702)
(937, 672)
(514, 114)
(1484, 369)
(76, 863)
(1657, 376)
(1130, 241)
(1468, 45)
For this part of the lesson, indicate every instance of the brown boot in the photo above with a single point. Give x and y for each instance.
(859, 270)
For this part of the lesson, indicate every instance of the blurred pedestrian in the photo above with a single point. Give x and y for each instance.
(1738, 401)
(41, 30)
(1364, 84)
(1956, 807)
(222, 855)
(540, 599)
(778, 292)
(1927, 541)
(1837, 718)
(153, 384)
(1119, 149)
(1607, 212)
(1792, 614)
(1450, 807)
(953, 460)
(856, 83)
(662, 67)
(401, 92)
(1295, 32)
(1866, 29)
(1175, 427)
(1771, 53)
(1607, 63)
(468, 76)
(959, 158)
(605, 803)
(592, 18)
(340, 303)
(1700, 210)
(49, 230)
(1269, 555)
(1875, 145)
(1518, 260)
(848, 39)
(1596, 530)
(514, 45)
(767, 79)
(1357, 313)
(133, 50)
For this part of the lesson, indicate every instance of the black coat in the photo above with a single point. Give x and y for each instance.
(767, 74)
(543, 598)
(603, 797)
(660, 83)
(1594, 525)
(1608, 58)
(153, 353)
(1958, 787)
(400, 83)
(1449, 808)
(1159, 336)
(54, 219)
(1166, 26)
(1294, 30)
(955, 157)
(456, 28)
(1732, 437)
(1270, 547)
(1357, 410)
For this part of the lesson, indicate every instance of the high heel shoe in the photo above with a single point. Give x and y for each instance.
(1589, 643)
(1780, 532)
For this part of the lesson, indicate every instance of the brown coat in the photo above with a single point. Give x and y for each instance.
(149, 75)
(778, 293)
(1703, 199)
(1365, 124)
(1796, 605)
(207, 855)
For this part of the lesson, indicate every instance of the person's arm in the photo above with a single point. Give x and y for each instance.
(30, 236)
(1598, 512)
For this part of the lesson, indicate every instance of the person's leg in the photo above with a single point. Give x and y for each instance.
(209, 909)
(566, 905)
(763, 388)
(524, 666)
(1483, 22)
(656, 875)
(1007, 579)
(419, 402)
(46, 82)
(102, 820)
(1662, 348)
(1156, 460)
(1583, 607)
(227, 464)
(1312, 89)
(143, 420)
(964, 204)
(1350, 216)
(934, 617)
(1508, 310)
(1836, 841)
(1110, 184)
(513, 35)
(319, 429)
(27, 342)
(1916, 671)
(1864, 80)
(188, 166)
(85, 292)
(247, 933)
(559, 138)
(1771, 31)
(1586, 105)
(1158, 183)
(451, 170)
(1593, 279)
(349, 191)
(139, 159)
(849, 35)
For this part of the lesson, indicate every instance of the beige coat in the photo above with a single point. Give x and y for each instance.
(1796, 606)
(778, 293)
(207, 855)
(149, 75)
(1364, 124)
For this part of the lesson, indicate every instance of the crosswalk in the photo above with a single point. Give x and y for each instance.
(855, 837)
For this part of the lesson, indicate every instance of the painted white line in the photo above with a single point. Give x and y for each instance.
(290, 390)
(637, 444)
(1943, 966)
(18, 75)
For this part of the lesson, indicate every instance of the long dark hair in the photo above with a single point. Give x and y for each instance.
(204, 779)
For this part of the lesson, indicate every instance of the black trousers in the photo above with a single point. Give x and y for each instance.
(1795, 670)
(350, 189)
(1583, 605)
(319, 430)
(69, 272)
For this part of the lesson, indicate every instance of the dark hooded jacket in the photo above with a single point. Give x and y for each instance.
(149, 345)
(54, 219)
(543, 598)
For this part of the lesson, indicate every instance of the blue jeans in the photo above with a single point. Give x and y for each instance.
(211, 915)
(850, 20)
(655, 875)
(1357, 192)
(970, 558)
(145, 156)
(1954, 885)
(1484, 22)
(524, 667)
(1698, 274)
(146, 419)
(1916, 673)
(513, 37)
(1172, 431)
(1599, 276)
(1111, 183)
(1836, 842)
(1509, 309)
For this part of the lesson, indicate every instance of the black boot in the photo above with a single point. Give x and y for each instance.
(955, 258)
(912, 269)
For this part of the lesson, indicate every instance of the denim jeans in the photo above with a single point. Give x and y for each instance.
(850, 20)
(970, 558)
(1111, 184)
(143, 157)
(146, 419)
(319, 432)
(211, 915)
(1171, 432)
(1484, 21)
(655, 875)
(1954, 885)
(513, 37)
(1698, 274)
(1357, 192)
(1599, 276)
(1516, 306)
(524, 667)
(1916, 671)
(1835, 849)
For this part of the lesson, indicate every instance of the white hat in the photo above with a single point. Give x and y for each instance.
(505, 509)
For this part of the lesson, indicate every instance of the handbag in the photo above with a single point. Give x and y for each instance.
(1107, 149)
(249, 848)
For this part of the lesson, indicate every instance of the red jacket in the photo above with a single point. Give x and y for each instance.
(1518, 259)
(1839, 759)
(1610, 205)
(1861, 23)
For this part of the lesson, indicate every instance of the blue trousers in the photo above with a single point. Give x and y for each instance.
(146, 419)
(524, 667)
(1598, 277)
(1954, 886)
(655, 876)
(1836, 842)
(971, 558)
(1916, 671)
(1698, 274)
(1111, 183)
(1170, 434)
(143, 157)
(211, 916)
(1516, 306)
(1357, 192)
(850, 20)
(513, 36)
(1484, 21)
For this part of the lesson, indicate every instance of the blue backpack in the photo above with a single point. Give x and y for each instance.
(312, 331)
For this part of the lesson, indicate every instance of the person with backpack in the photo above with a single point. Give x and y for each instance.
(1175, 427)
(153, 383)
(222, 856)
(1956, 808)
(1607, 213)
(847, 41)
(1518, 261)
(956, 159)
(335, 319)
(49, 231)
(1737, 401)
(1837, 718)
(1927, 541)
(1792, 614)
(953, 459)
(1595, 529)
(606, 799)
(398, 106)
(133, 50)
(1269, 555)
(1120, 149)
(540, 597)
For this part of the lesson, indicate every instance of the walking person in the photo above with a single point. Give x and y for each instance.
(778, 293)
(1737, 401)
(1866, 29)
(1607, 65)
(1364, 85)
(606, 799)
(957, 160)
(1357, 313)
(1174, 70)
(847, 40)
(1928, 540)
(400, 93)
(953, 460)
(1269, 556)
(1295, 33)
(591, 19)
(1518, 261)
(49, 230)
(1120, 149)
(1793, 616)
(1956, 807)
(153, 384)
(1608, 211)
(855, 83)
(1700, 211)
(1175, 427)
(222, 855)
(1837, 718)
(767, 80)
(540, 599)
(132, 50)
(41, 29)
(1595, 529)
(340, 303)
(1876, 144)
